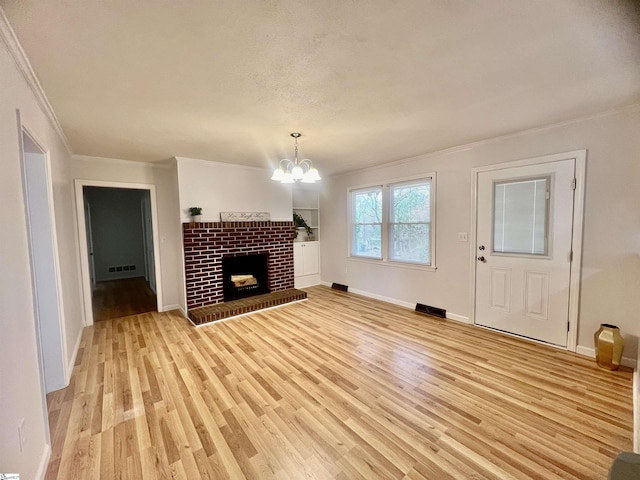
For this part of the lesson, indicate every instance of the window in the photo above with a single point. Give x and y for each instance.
(366, 212)
(394, 222)
(520, 216)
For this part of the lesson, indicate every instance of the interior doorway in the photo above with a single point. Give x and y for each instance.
(44, 264)
(119, 249)
(528, 229)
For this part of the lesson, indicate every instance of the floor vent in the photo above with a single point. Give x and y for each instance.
(429, 310)
(338, 286)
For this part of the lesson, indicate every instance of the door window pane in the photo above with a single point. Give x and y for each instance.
(520, 216)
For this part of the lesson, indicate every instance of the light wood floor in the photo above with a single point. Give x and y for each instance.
(337, 387)
(120, 298)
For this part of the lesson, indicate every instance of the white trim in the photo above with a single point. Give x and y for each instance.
(459, 318)
(486, 141)
(175, 306)
(591, 353)
(245, 314)
(9, 38)
(580, 158)
(305, 281)
(385, 188)
(636, 406)
(82, 238)
(88, 158)
(74, 354)
(44, 462)
(400, 303)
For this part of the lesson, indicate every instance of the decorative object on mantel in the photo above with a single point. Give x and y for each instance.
(296, 171)
(245, 216)
(609, 346)
(196, 214)
(302, 228)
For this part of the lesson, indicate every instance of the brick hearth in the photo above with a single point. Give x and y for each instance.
(219, 311)
(205, 244)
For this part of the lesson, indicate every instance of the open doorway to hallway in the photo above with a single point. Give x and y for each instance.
(120, 251)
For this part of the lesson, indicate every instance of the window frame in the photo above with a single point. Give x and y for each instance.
(385, 187)
(352, 223)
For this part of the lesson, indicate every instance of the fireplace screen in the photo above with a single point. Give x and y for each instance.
(245, 275)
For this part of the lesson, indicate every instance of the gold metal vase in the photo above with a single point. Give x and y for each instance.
(609, 346)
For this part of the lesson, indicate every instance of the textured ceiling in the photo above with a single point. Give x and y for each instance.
(366, 82)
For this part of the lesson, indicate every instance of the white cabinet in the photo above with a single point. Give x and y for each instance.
(306, 263)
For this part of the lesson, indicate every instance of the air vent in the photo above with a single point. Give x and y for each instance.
(338, 286)
(122, 268)
(429, 310)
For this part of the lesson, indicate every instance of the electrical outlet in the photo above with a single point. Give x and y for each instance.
(463, 237)
(21, 438)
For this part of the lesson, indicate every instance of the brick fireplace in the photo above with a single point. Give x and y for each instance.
(206, 244)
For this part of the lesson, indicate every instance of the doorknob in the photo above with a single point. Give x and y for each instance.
(482, 259)
(481, 247)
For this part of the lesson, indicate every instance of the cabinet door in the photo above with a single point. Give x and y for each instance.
(311, 255)
(298, 260)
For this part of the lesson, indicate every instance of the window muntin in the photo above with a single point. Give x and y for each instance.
(410, 222)
(394, 222)
(521, 216)
(366, 222)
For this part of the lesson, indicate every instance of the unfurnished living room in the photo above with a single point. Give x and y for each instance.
(324, 240)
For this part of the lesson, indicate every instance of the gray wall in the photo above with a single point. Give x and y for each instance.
(116, 222)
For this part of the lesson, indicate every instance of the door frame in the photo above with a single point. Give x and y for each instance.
(82, 235)
(580, 158)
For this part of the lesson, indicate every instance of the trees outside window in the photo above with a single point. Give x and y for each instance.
(394, 222)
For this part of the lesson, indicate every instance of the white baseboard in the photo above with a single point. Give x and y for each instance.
(458, 318)
(306, 281)
(168, 308)
(412, 306)
(636, 407)
(44, 462)
(72, 361)
(591, 352)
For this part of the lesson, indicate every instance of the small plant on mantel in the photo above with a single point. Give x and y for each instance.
(300, 222)
(195, 213)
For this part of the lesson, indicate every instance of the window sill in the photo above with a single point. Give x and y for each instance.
(391, 263)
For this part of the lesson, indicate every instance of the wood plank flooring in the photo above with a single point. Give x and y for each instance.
(123, 297)
(337, 387)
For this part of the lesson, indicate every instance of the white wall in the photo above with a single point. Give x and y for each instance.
(164, 177)
(21, 395)
(116, 221)
(223, 187)
(611, 248)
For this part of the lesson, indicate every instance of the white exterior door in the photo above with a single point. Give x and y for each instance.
(523, 249)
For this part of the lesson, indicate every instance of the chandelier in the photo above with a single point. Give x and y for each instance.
(296, 171)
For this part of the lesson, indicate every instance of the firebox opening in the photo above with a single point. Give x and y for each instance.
(245, 276)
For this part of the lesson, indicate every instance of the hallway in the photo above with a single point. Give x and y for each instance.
(120, 298)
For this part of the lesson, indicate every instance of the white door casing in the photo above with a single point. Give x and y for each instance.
(525, 281)
(82, 234)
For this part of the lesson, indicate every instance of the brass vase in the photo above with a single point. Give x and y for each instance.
(609, 345)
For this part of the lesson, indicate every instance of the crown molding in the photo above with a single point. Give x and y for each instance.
(470, 146)
(8, 37)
